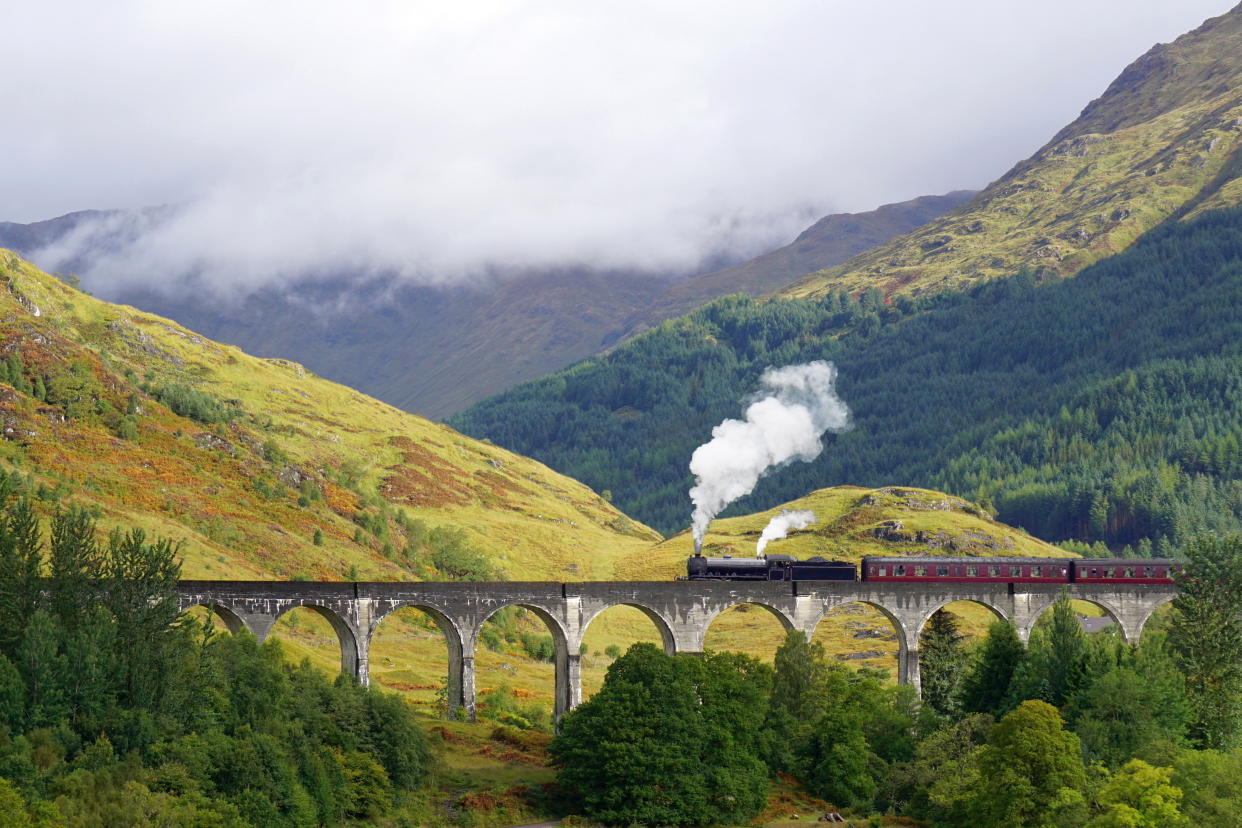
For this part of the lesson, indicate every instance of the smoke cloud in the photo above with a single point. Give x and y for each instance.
(796, 405)
(780, 526)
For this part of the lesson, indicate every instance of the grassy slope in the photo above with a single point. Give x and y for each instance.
(1165, 139)
(187, 480)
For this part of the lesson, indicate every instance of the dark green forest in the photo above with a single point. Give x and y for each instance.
(1102, 408)
(115, 709)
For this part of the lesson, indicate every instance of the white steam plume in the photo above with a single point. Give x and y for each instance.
(779, 526)
(784, 423)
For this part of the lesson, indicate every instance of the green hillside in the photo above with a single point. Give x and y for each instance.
(1165, 139)
(264, 469)
(1107, 407)
(851, 522)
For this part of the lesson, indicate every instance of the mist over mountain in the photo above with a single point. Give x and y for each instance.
(434, 349)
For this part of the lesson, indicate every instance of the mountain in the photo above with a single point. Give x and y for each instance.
(263, 468)
(436, 350)
(1164, 140)
(1103, 408)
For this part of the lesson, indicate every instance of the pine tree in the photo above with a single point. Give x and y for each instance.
(941, 659)
(985, 688)
(796, 700)
(21, 558)
(75, 566)
(1206, 635)
(1067, 647)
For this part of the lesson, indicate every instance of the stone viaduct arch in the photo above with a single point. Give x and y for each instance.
(680, 610)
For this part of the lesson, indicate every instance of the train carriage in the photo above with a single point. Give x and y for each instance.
(1124, 570)
(966, 570)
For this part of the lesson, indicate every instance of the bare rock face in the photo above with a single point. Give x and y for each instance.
(207, 440)
(293, 476)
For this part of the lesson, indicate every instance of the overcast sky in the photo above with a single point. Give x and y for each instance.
(445, 137)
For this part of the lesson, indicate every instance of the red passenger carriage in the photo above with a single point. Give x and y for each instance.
(966, 570)
(1124, 570)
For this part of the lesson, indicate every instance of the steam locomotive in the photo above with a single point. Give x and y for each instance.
(941, 570)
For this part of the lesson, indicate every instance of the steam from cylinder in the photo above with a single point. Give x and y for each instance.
(779, 526)
(784, 422)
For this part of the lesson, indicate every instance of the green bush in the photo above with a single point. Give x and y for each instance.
(197, 405)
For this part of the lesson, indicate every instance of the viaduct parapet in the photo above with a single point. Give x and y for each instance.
(680, 610)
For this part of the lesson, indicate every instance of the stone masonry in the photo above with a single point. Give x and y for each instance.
(680, 610)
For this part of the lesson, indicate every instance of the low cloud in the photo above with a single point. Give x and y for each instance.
(441, 141)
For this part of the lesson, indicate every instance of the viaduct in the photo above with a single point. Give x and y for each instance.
(680, 610)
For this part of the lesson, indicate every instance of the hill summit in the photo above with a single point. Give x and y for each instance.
(1164, 140)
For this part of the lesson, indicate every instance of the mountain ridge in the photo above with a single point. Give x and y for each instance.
(1164, 140)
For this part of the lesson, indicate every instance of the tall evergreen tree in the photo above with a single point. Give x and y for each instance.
(796, 700)
(140, 592)
(1206, 634)
(75, 566)
(941, 661)
(985, 689)
(1056, 658)
(21, 557)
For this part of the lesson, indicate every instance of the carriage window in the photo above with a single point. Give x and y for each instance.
(972, 571)
(1037, 571)
(1110, 572)
(942, 570)
(1095, 573)
(994, 571)
(899, 570)
(1015, 571)
(920, 571)
(1063, 570)
(1129, 572)
(871, 570)
(883, 571)
(1149, 572)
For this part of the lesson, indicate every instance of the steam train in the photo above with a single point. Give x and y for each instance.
(937, 570)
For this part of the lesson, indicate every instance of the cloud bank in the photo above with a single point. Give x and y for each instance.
(440, 140)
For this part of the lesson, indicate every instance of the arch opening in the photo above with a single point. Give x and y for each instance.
(860, 634)
(218, 617)
(318, 634)
(972, 617)
(416, 652)
(610, 632)
(1094, 616)
(946, 643)
(520, 662)
(753, 629)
